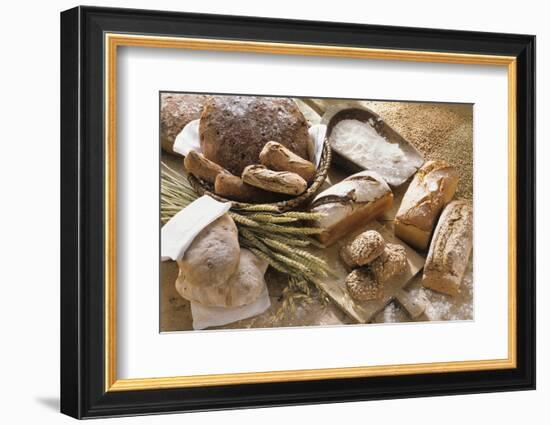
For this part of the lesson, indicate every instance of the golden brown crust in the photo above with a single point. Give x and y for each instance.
(274, 181)
(359, 216)
(233, 188)
(432, 187)
(234, 129)
(362, 285)
(392, 262)
(176, 111)
(276, 157)
(363, 249)
(450, 249)
(201, 167)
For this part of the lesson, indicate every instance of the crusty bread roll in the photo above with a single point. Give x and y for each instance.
(202, 167)
(450, 249)
(234, 129)
(276, 157)
(176, 111)
(242, 288)
(353, 202)
(274, 181)
(233, 187)
(432, 187)
(211, 259)
(363, 249)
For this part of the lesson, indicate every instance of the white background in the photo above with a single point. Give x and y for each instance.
(140, 344)
(29, 224)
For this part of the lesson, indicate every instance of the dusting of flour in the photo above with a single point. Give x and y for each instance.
(360, 142)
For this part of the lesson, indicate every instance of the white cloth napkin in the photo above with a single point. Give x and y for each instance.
(206, 317)
(178, 233)
(188, 140)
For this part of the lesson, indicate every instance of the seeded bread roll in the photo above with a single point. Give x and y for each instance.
(353, 202)
(201, 167)
(176, 111)
(276, 157)
(363, 249)
(274, 181)
(392, 262)
(433, 186)
(450, 249)
(362, 285)
(233, 187)
(234, 129)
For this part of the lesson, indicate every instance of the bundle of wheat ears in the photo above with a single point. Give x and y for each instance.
(277, 237)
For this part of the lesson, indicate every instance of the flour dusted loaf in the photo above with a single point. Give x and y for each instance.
(209, 262)
(432, 187)
(353, 202)
(234, 129)
(450, 249)
(176, 111)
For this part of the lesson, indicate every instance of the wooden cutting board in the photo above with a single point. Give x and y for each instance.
(394, 289)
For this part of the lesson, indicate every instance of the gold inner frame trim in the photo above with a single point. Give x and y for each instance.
(113, 41)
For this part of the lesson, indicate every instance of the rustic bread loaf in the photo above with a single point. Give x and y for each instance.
(202, 167)
(211, 259)
(450, 249)
(274, 181)
(353, 202)
(234, 129)
(276, 157)
(176, 111)
(242, 288)
(432, 187)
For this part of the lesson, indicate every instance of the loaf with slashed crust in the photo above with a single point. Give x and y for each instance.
(234, 129)
(450, 249)
(350, 204)
(432, 187)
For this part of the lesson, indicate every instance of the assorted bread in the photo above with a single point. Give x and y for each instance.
(432, 187)
(257, 150)
(450, 249)
(348, 205)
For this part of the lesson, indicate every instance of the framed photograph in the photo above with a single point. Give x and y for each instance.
(261, 212)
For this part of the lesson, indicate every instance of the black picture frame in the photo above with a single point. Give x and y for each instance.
(82, 219)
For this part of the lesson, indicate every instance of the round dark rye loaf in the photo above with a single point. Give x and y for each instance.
(176, 111)
(234, 129)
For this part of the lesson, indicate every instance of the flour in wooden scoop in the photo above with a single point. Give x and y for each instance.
(360, 142)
